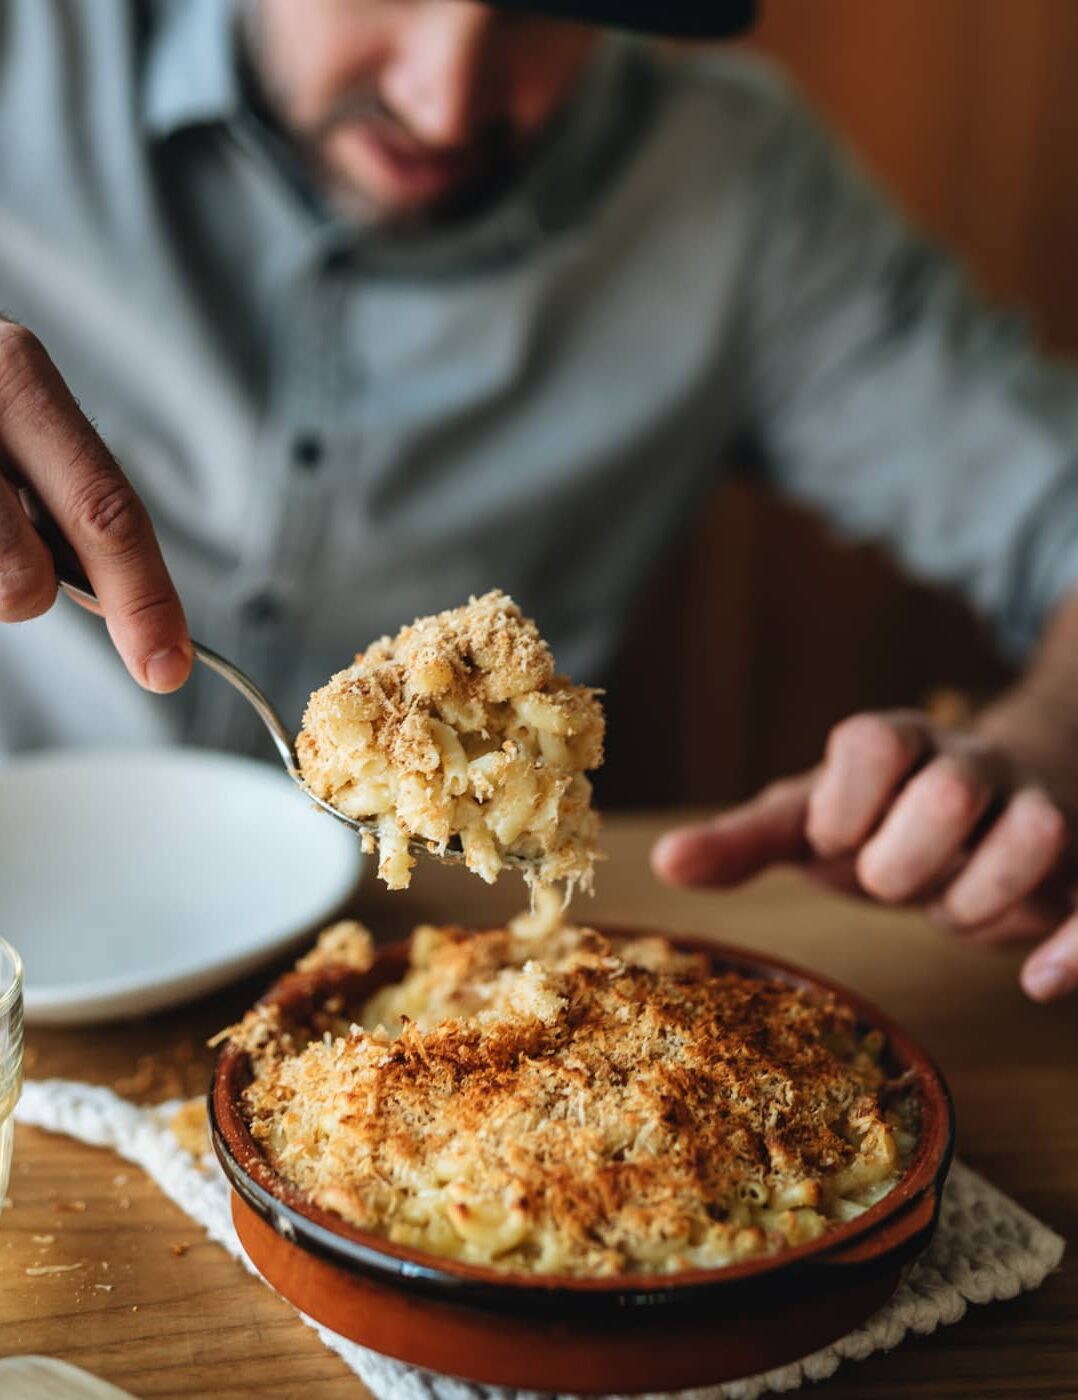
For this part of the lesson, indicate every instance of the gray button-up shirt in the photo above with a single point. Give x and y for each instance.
(335, 429)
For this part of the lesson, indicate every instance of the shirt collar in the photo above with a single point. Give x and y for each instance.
(190, 78)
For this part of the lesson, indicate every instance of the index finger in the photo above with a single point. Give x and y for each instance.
(52, 443)
(734, 846)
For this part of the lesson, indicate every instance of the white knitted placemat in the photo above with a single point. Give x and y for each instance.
(986, 1248)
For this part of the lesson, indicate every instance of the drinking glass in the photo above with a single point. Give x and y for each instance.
(10, 1055)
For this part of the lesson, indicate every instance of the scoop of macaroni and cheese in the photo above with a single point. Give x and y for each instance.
(458, 730)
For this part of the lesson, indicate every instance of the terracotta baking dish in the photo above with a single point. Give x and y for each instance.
(627, 1334)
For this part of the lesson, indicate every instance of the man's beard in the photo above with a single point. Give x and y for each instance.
(494, 152)
(501, 157)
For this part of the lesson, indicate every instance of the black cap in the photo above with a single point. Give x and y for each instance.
(696, 19)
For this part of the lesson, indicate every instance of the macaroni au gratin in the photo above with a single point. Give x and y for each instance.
(544, 1100)
(458, 730)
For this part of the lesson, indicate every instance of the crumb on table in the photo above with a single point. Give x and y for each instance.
(190, 1127)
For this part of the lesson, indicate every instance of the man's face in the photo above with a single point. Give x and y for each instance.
(412, 107)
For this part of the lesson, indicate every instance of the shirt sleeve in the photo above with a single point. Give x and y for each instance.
(884, 394)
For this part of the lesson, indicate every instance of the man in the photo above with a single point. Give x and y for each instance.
(383, 302)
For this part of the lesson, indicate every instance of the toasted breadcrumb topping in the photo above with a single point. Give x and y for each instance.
(344, 944)
(555, 1101)
(458, 731)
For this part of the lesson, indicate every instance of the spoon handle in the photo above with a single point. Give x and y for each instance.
(242, 682)
(72, 579)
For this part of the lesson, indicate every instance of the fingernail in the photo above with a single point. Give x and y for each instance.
(665, 851)
(167, 670)
(673, 857)
(1045, 981)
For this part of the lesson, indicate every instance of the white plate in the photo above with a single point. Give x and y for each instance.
(133, 879)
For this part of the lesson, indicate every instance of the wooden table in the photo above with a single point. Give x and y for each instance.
(190, 1322)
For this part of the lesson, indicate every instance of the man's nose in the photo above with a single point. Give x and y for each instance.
(439, 79)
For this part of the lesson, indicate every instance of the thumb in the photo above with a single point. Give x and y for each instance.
(740, 843)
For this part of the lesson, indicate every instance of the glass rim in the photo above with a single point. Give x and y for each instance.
(9, 994)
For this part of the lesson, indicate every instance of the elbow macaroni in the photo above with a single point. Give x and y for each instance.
(550, 1102)
(458, 730)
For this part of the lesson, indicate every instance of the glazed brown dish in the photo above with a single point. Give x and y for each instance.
(623, 1332)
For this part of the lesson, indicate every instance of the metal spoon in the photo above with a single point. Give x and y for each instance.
(73, 581)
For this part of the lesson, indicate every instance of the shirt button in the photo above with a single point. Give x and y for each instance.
(261, 609)
(308, 450)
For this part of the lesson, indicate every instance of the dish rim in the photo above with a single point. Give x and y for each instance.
(891, 1222)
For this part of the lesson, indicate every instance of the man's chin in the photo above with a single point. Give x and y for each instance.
(371, 186)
